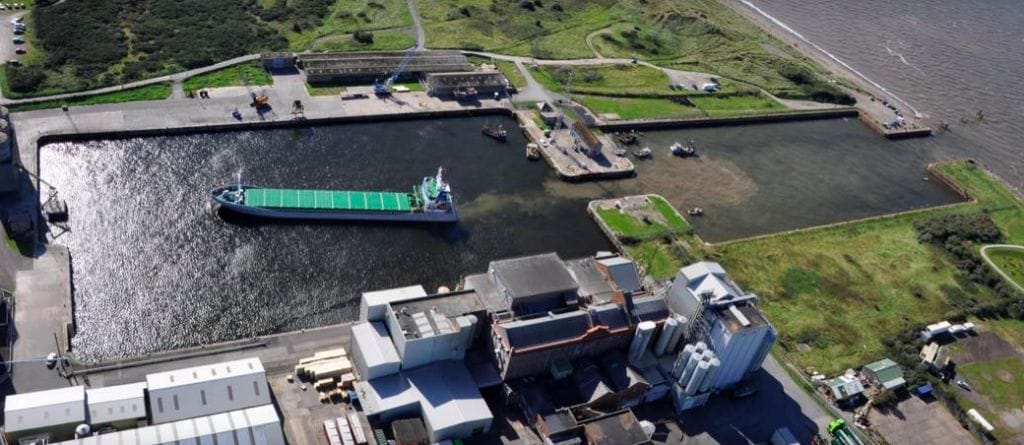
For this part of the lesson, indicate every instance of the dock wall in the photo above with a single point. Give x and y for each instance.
(653, 124)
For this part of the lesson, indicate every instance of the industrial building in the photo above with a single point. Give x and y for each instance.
(331, 67)
(226, 403)
(585, 140)
(580, 426)
(205, 390)
(845, 389)
(534, 284)
(483, 82)
(885, 373)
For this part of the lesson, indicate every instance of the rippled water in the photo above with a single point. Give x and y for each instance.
(948, 58)
(155, 269)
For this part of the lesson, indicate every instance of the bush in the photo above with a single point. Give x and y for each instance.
(24, 78)
(528, 5)
(365, 37)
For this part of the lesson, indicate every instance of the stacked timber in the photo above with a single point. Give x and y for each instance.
(323, 365)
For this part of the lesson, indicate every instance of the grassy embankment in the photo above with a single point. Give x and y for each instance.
(388, 20)
(691, 35)
(1011, 262)
(651, 241)
(251, 73)
(638, 92)
(836, 293)
(158, 91)
(507, 68)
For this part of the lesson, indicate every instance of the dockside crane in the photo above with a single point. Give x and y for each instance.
(383, 88)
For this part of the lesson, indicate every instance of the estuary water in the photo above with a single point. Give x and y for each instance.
(155, 268)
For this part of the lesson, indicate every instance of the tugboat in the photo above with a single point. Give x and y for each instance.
(642, 152)
(532, 151)
(684, 150)
(429, 201)
(498, 134)
(620, 152)
(696, 211)
(628, 138)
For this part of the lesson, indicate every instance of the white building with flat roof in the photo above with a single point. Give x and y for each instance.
(120, 406)
(251, 426)
(208, 389)
(55, 412)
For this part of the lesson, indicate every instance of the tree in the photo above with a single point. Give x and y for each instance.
(364, 37)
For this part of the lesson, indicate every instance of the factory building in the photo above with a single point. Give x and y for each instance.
(226, 403)
(205, 390)
(483, 82)
(372, 65)
(585, 140)
(580, 426)
(534, 284)
(51, 415)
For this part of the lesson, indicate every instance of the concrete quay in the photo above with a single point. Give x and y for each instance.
(570, 164)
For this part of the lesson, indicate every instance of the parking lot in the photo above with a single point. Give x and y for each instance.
(7, 46)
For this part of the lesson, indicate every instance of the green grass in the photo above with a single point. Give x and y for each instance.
(619, 80)
(1008, 329)
(158, 91)
(631, 227)
(250, 73)
(384, 40)
(844, 289)
(1011, 262)
(412, 85)
(506, 67)
(675, 221)
(656, 257)
(320, 90)
(1001, 381)
(638, 107)
(347, 17)
(736, 105)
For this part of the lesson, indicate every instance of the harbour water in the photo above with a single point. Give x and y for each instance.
(949, 59)
(155, 268)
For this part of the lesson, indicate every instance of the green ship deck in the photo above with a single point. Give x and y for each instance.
(340, 200)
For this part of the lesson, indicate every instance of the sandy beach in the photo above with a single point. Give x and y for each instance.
(866, 89)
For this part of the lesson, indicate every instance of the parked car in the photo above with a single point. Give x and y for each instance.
(14, 62)
(20, 50)
(964, 385)
(18, 40)
(18, 31)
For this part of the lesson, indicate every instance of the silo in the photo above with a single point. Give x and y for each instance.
(5, 148)
(667, 331)
(698, 376)
(673, 343)
(4, 125)
(4, 112)
(691, 365)
(705, 385)
(642, 338)
(681, 360)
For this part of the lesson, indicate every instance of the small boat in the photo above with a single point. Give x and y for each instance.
(532, 151)
(642, 152)
(620, 152)
(696, 211)
(628, 138)
(497, 133)
(683, 150)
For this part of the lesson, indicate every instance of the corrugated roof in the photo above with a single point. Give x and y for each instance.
(546, 329)
(534, 275)
(887, 372)
(650, 308)
(585, 134)
(610, 315)
(205, 373)
(198, 430)
(623, 272)
(39, 409)
(374, 344)
(114, 403)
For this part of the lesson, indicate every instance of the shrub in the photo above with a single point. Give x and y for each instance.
(364, 37)
(25, 78)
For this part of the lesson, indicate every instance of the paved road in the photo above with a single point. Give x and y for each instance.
(984, 254)
(417, 24)
(169, 78)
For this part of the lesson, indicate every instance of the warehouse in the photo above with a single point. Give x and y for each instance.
(252, 426)
(484, 82)
(373, 353)
(372, 65)
(205, 390)
(121, 406)
(52, 414)
(534, 284)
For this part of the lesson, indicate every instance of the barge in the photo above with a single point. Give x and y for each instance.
(429, 201)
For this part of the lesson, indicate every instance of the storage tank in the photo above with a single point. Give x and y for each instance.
(667, 331)
(705, 384)
(681, 360)
(698, 376)
(691, 365)
(4, 125)
(4, 112)
(642, 338)
(684, 325)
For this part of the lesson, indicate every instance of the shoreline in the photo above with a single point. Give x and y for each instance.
(873, 112)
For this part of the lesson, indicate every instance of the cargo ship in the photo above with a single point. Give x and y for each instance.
(429, 201)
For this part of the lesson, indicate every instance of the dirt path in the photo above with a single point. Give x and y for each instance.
(590, 40)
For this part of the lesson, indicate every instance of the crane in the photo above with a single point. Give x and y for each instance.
(384, 88)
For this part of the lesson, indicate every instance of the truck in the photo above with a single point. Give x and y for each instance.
(842, 434)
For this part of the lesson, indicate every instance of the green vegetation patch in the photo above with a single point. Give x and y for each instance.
(383, 40)
(319, 90)
(250, 73)
(1010, 261)
(1001, 380)
(158, 91)
(656, 219)
(333, 20)
(657, 257)
(617, 80)
(638, 107)
(509, 69)
(736, 105)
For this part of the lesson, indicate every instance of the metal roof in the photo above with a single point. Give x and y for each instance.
(200, 430)
(205, 373)
(546, 329)
(534, 275)
(623, 272)
(650, 308)
(592, 283)
(610, 315)
(114, 403)
(844, 387)
(444, 391)
(887, 372)
(374, 345)
(40, 409)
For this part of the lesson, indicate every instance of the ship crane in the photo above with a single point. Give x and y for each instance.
(384, 88)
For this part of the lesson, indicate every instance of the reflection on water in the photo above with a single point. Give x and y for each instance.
(155, 268)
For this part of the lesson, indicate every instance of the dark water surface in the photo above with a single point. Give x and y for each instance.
(947, 58)
(156, 269)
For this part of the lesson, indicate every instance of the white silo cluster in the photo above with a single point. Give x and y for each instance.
(662, 344)
(641, 340)
(694, 371)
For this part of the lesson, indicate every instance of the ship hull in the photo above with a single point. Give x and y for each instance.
(320, 215)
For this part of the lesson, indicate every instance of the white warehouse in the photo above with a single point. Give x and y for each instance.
(205, 390)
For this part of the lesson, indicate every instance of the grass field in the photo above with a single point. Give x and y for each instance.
(507, 68)
(605, 79)
(1011, 262)
(656, 257)
(383, 40)
(250, 73)
(152, 92)
(317, 90)
(663, 220)
(384, 18)
(736, 105)
(1001, 381)
(638, 107)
